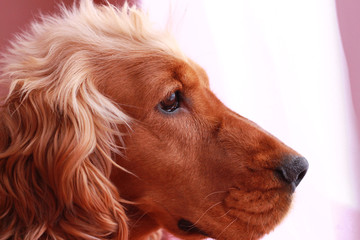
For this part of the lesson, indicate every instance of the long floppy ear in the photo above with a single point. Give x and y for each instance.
(57, 134)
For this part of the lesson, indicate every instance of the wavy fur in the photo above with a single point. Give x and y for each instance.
(58, 132)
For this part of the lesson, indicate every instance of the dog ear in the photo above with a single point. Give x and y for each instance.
(57, 135)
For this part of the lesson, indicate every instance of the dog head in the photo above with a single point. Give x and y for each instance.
(106, 112)
(199, 168)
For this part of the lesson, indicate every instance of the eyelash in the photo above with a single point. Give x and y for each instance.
(171, 103)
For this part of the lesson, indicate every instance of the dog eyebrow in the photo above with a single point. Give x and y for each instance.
(169, 89)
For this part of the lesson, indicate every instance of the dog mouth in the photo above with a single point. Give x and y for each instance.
(188, 227)
(265, 209)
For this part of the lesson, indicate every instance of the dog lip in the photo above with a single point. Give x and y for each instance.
(189, 227)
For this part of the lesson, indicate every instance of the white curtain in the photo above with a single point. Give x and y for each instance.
(280, 63)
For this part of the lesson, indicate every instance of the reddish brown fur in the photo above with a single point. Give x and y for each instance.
(203, 163)
(203, 155)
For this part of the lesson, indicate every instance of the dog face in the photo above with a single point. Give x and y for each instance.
(199, 169)
(97, 85)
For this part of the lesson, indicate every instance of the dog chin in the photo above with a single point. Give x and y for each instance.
(235, 223)
(220, 232)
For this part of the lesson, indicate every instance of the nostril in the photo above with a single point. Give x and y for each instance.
(293, 170)
(300, 177)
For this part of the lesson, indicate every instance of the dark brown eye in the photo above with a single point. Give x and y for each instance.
(171, 103)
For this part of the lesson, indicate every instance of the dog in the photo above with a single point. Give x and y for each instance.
(110, 132)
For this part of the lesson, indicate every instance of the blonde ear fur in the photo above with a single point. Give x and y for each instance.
(58, 132)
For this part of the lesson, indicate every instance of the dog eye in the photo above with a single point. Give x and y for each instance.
(170, 103)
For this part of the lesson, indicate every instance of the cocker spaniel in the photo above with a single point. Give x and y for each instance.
(110, 132)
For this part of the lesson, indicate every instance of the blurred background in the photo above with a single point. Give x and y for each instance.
(293, 67)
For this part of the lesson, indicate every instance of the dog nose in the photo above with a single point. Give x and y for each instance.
(293, 170)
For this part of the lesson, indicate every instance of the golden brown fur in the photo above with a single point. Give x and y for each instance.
(87, 153)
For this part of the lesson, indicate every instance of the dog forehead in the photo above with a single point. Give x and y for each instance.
(147, 77)
(164, 72)
(185, 71)
(200, 72)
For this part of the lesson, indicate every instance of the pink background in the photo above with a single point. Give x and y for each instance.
(349, 21)
(316, 215)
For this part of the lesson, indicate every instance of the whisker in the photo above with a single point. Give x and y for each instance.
(143, 215)
(207, 210)
(214, 193)
(225, 214)
(227, 227)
